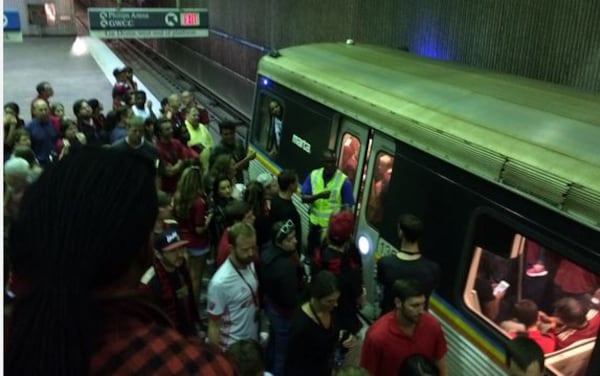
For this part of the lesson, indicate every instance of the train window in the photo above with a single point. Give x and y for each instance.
(529, 288)
(379, 186)
(269, 128)
(349, 153)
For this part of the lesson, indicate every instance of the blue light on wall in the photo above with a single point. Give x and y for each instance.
(429, 41)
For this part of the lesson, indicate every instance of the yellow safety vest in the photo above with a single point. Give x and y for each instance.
(322, 209)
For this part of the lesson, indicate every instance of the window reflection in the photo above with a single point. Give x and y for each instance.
(379, 187)
(349, 155)
(541, 294)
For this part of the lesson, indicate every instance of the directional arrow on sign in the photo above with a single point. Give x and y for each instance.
(171, 19)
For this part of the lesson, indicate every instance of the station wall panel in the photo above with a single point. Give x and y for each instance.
(549, 40)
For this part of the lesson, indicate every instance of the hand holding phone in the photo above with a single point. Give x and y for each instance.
(501, 287)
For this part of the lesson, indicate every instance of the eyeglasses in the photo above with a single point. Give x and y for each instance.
(285, 230)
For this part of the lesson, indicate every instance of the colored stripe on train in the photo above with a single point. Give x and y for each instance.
(457, 321)
(265, 160)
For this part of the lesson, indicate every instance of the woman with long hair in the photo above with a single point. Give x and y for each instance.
(193, 216)
(256, 198)
(224, 164)
(313, 332)
(71, 140)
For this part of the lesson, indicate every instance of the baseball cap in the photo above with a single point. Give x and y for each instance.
(265, 179)
(168, 241)
(341, 226)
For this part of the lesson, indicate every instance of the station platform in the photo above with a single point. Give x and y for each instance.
(76, 67)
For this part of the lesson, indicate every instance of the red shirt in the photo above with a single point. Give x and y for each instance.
(546, 341)
(223, 248)
(568, 336)
(386, 346)
(196, 218)
(573, 279)
(170, 153)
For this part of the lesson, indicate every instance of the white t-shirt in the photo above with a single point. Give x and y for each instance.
(230, 299)
(144, 114)
(278, 127)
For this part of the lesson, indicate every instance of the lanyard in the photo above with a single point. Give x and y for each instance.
(312, 309)
(254, 297)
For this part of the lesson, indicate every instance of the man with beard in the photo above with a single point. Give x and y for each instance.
(407, 263)
(407, 330)
(233, 301)
(168, 281)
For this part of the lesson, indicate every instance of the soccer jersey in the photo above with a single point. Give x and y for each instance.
(233, 298)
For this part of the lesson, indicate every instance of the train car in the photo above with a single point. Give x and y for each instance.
(501, 169)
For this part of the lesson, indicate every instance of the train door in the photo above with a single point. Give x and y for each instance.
(351, 146)
(371, 203)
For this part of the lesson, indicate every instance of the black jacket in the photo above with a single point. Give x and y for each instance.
(281, 279)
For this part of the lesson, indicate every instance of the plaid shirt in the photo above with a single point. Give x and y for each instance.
(138, 340)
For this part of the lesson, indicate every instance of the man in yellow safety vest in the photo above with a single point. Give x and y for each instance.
(327, 190)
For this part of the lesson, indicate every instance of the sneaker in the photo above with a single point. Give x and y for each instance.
(537, 270)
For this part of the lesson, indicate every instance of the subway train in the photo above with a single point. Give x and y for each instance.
(500, 168)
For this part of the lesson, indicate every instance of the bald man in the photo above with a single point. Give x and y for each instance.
(43, 134)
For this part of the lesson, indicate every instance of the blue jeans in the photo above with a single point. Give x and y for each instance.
(278, 339)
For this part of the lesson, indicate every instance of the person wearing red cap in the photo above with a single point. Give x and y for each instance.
(168, 280)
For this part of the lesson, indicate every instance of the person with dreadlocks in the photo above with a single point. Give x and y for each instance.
(168, 281)
(82, 312)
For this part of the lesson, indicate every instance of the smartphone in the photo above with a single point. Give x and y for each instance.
(501, 287)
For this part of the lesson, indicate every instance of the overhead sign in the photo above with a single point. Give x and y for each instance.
(139, 23)
(12, 26)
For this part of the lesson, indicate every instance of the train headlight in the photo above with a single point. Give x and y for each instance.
(364, 245)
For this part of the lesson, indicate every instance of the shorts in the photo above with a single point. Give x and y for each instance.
(197, 252)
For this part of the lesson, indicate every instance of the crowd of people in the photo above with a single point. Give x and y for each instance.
(132, 211)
